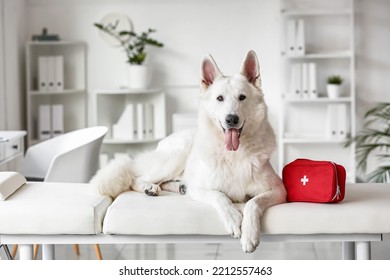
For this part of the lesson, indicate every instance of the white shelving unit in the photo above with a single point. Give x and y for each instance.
(109, 106)
(73, 96)
(329, 43)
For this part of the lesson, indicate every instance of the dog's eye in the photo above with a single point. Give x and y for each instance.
(220, 98)
(242, 97)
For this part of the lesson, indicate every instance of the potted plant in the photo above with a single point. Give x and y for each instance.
(134, 45)
(333, 86)
(374, 138)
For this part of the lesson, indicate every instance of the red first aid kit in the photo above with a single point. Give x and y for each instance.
(314, 181)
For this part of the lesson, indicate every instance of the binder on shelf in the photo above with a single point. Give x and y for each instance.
(300, 37)
(313, 92)
(50, 73)
(57, 119)
(342, 121)
(59, 73)
(141, 132)
(291, 37)
(51, 70)
(44, 122)
(149, 121)
(125, 127)
(296, 81)
(305, 80)
(42, 73)
(337, 121)
(331, 121)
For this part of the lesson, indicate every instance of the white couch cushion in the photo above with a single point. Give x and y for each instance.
(168, 213)
(53, 208)
(366, 209)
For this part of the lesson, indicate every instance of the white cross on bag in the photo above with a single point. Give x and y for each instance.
(304, 180)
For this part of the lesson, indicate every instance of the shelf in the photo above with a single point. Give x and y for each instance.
(72, 97)
(312, 141)
(293, 13)
(128, 91)
(110, 106)
(317, 100)
(318, 41)
(56, 43)
(59, 92)
(128, 141)
(324, 55)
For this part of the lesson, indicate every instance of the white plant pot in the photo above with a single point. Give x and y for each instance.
(139, 76)
(334, 91)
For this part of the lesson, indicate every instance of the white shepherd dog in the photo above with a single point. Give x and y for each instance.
(224, 161)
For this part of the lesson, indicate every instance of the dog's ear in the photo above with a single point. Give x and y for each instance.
(251, 70)
(209, 71)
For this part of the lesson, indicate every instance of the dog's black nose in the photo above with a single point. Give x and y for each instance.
(232, 120)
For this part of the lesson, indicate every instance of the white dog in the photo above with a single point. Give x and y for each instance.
(225, 161)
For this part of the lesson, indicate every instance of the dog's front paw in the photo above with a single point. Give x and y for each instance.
(250, 238)
(232, 220)
(249, 242)
(152, 189)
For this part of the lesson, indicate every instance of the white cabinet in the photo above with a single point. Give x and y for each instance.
(317, 35)
(11, 149)
(110, 110)
(56, 88)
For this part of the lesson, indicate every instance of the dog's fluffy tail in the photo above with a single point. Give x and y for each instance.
(114, 178)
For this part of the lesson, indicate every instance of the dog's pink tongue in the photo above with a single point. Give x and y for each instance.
(232, 140)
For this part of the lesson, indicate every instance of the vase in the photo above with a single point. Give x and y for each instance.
(333, 91)
(139, 76)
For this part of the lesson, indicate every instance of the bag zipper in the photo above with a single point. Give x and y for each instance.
(338, 192)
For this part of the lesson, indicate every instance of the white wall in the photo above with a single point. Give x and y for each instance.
(2, 89)
(373, 59)
(14, 16)
(12, 38)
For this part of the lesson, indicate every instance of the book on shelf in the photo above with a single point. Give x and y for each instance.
(135, 123)
(57, 119)
(125, 128)
(290, 37)
(141, 131)
(300, 37)
(44, 122)
(50, 121)
(296, 81)
(295, 37)
(313, 92)
(303, 81)
(50, 73)
(149, 116)
(337, 121)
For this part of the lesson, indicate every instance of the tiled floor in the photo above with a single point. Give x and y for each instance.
(230, 251)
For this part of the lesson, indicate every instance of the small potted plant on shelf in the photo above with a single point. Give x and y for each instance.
(334, 86)
(374, 139)
(134, 45)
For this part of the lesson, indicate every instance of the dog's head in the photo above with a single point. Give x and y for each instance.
(233, 104)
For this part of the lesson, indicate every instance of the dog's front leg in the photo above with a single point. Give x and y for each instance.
(253, 210)
(229, 214)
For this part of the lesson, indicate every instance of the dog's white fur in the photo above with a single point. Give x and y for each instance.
(220, 163)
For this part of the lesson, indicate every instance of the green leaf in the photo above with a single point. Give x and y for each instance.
(133, 44)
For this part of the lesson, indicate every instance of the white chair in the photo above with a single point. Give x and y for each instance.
(71, 158)
(7, 253)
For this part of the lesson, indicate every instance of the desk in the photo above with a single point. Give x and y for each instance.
(11, 145)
